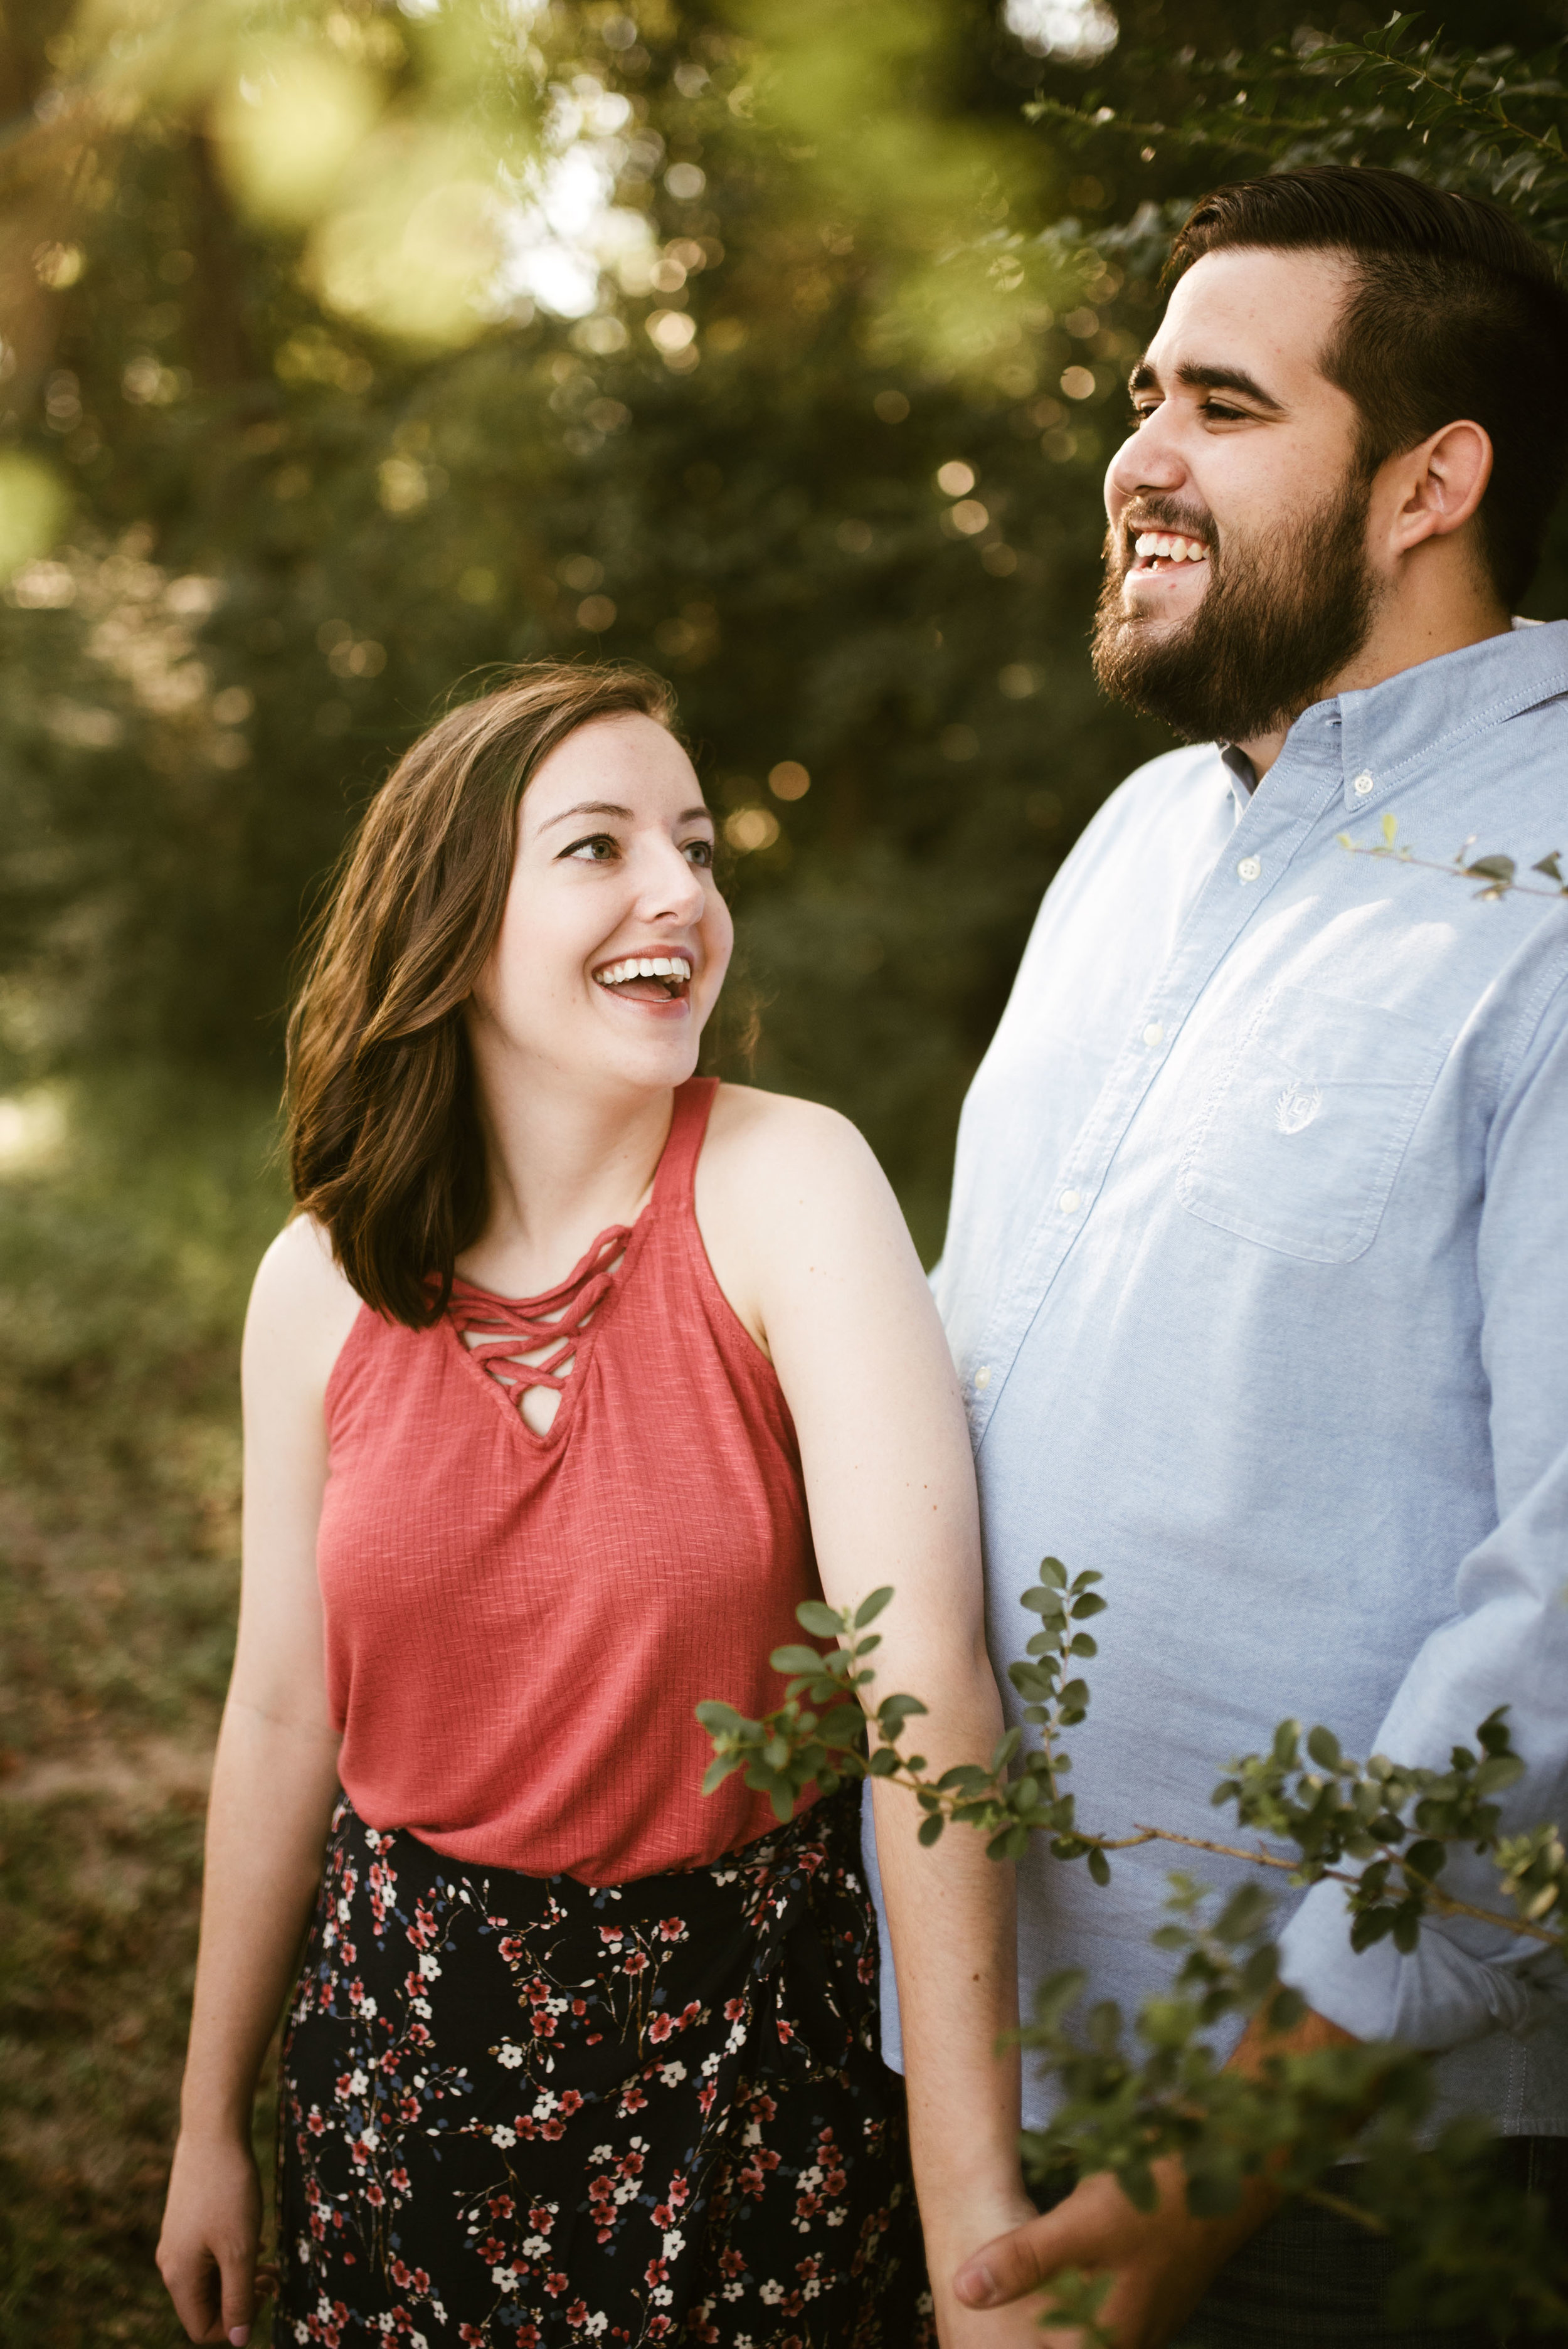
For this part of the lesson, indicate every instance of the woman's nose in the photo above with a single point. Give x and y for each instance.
(671, 885)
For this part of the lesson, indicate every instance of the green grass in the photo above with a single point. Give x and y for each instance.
(126, 1252)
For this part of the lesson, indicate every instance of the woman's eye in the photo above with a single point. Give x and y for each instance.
(597, 850)
(701, 851)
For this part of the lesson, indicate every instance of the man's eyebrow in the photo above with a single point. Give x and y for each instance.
(609, 807)
(1196, 378)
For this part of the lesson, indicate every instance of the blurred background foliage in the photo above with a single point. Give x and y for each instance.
(352, 349)
(347, 351)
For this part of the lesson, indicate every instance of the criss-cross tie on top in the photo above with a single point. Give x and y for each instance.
(532, 1341)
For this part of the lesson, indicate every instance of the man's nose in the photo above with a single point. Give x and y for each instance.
(1150, 459)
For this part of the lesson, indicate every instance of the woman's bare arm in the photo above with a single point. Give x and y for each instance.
(809, 1242)
(274, 1783)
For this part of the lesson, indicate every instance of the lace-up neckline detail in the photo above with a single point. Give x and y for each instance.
(532, 1341)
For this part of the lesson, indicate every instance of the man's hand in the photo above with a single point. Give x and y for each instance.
(1163, 2262)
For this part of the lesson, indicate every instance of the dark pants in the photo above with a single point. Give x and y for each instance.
(1310, 2278)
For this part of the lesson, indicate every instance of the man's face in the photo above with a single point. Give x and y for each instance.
(1237, 579)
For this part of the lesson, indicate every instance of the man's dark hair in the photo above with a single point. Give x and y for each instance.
(1456, 313)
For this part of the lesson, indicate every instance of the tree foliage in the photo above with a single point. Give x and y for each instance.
(354, 349)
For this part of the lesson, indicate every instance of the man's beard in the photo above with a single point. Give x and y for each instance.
(1278, 620)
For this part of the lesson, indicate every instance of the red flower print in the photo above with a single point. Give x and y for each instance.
(571, 2101)
(661, 2028)
(672, 1929)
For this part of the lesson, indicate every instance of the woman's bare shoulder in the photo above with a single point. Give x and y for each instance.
(794, 1177)
(302, 1308)
(777, 1139)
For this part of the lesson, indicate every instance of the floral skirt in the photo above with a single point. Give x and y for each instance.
(534, 2113)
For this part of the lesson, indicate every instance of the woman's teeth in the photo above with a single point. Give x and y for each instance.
(671, 966)
(1170, 548)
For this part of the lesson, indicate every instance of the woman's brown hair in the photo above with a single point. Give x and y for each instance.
(384, 1138)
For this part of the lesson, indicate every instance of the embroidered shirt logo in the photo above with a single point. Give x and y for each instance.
(1297, 1106)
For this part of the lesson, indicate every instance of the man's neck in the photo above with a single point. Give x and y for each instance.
(1405, 639)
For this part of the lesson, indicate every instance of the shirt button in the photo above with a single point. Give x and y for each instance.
(1154, 1033)
(1068, 1203)
(1362, 785)
(1250, 867)
(983, 1377)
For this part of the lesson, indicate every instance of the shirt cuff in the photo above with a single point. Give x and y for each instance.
(1438, 1997)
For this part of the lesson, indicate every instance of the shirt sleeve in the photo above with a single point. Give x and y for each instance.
(1506, 1642)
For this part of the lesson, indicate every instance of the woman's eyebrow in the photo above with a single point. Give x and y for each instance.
(588, 807)
(609, 807)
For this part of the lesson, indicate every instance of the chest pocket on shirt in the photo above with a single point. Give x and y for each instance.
(1300, 1136)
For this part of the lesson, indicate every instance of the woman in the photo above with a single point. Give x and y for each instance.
(573, 1375)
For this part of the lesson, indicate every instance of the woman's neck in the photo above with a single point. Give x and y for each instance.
(564, 1166)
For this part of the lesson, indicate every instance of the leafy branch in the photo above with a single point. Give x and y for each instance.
(1469, 2244)
(1396, 1823)
(1497, 873)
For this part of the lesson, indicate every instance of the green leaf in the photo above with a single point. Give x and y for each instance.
(719, 1718)
(882, 1764)
(796, 1659)
(1390, 826)
(1092, 1603)
(719, 1770)
(1286, 1738)
(1491, 868)
(1099, 1866)
(1549, 866)
(870, 1608)
(815, 1615)
(1003, 1750)
(1083, 1644)
(931, 1829)
(1324, 1747)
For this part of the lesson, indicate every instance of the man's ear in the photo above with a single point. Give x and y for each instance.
(1438, 485)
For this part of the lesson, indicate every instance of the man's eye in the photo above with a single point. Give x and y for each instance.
(1141, 415)
(701, 851)
(1224, 415)
(598, 849)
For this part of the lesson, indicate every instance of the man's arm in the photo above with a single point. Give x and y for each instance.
(1506, 1641)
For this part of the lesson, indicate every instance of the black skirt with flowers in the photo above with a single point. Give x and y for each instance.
(534, 2113)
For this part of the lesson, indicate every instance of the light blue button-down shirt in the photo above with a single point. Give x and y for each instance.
(1257, 1278)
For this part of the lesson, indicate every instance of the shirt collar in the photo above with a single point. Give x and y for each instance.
(1376, 738)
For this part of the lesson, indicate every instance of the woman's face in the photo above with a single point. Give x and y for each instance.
(613, 873)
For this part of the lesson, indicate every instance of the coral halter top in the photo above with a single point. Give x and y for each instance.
(518, 1626)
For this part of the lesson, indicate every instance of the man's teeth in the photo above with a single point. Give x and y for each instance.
(1173, 548)
(674, 966)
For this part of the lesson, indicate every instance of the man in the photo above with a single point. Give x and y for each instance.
(1255, 1270)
